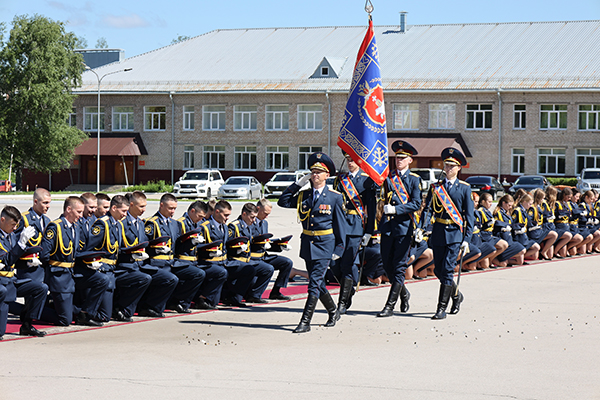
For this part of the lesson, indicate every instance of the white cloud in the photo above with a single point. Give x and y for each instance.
(125, 21)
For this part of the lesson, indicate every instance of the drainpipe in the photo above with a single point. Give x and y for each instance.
(328, 123)
(499, 134)
(172, 137)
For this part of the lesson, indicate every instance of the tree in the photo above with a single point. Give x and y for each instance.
(81, 42)
(180, 38)
(38, 69)
(102, 43)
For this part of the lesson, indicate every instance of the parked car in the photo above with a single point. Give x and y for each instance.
(329, 182)
(588, 179)
(281, 180)
(199, 183)
(4, 188)
(428, 176)
(529, 183)
(240, 187)
(483, 184)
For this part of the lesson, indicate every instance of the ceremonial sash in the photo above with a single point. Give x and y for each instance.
(353, 195)
(448, 205)
(401, 192)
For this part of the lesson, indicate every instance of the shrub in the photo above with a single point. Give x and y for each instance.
(152, 186)
(563, 181)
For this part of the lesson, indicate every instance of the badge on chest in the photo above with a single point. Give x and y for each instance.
(324, 209)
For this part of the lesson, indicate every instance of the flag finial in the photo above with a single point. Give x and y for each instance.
(369, 7)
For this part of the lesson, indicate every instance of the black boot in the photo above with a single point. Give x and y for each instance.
(404, 297)
(334, 313)
(456, 299)
(445, 292)
(388, 309)
(309, 309)
(344, 296)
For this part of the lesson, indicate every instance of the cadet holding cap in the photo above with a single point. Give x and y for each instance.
(321, 212)
(452, 228)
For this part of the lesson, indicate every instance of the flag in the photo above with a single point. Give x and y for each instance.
(363, 134)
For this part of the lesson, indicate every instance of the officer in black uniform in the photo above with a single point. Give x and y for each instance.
(359, 193)
(452, 228)
(401, 194)
(323, 218)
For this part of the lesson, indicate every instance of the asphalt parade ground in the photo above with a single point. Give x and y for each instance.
(528, 332)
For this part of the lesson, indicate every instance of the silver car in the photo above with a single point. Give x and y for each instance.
(240, 187)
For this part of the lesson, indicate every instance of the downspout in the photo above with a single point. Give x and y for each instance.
(328, 123)
(499, 134)
(172, 137)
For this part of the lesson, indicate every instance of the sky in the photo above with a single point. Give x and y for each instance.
(141, 26)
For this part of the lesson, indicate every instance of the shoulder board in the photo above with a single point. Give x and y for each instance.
(25, 213)
(413, 174)
(105, 218)
(57, 221)
(154, 218)
(234, 222)
(205, 223)
(464, 183)
(334, 191)
(364, 174)
(181, 219)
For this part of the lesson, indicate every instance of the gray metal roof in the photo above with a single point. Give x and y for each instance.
(523, 56)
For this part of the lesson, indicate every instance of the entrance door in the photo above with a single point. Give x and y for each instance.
(120, 172)
(91, 171)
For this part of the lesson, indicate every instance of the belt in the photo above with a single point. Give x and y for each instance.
(574, 222)
(163, 257)
(215, 259)
(61, 264)
(317, 233)
(242, 259)
(534, 228)
(444, 221)
(257, 255)
(108, 261)
(186, 258)
(353, 212)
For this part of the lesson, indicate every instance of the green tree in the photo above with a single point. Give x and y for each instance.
(38, 69)
(81, 42)
(180, 38)
(102, 43)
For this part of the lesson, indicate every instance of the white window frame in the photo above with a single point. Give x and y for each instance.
(304, 154)
(324, 70)
(213, 117)
(590, 158)
(272, 116)
(310, 119)
(155, 116)
(122, 118)
(188, 118)
(481, 117)
(519, 117)
(72, 118)
(406, 116)
(277, 158)
(188, 156)
(561, 115)
(553, 157)
(442, 116)
(90, 119)
(213, 156)
(244, 158)
(517, 166)
(594, 113)
(245, 117)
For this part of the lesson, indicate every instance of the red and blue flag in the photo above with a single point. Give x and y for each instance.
(363, 134)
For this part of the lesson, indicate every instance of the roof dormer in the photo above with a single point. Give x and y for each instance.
(330, 67)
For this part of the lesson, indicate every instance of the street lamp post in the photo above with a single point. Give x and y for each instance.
(99, 78)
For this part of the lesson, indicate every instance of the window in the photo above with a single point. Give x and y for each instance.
(244, 118)
(519, 116)
(442, 116)
(587, 158)
(122, 119)
(188, 157)
(304, 152)
(155, 118)
(90, 118)
(310, 117)
(588, 117)
(324, 71)
(551, 161)
(406, 116)
(479, 116)
(518, 161)
(278, 158)
(213, 118)
(214, 157)
(245, 157)
(188, 118)
(277, 118)
(72, 118)
(553, 116)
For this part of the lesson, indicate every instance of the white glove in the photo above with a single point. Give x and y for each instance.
(596, 221)
(217, 253)
(507, 228)
(365, 239)
(163, 250)
(267, 246)
(35, 262)
(389, 209)
(464, 246)
(197, 240)
(584, 213)
(418, 235)
(95, 265)
(334, 257)
(304, 180)
(27, 234)
(286, 247)
(244, 247)
(551, 218)
(2, 265)
(140, 256)
(521, 231)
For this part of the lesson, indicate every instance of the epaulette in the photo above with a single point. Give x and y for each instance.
(464, 183)
(57, 221)
(105, 218)
(152, 218)
(413, 174)
(334, 191)
(24, 213)
(234, 222)
(364, 174)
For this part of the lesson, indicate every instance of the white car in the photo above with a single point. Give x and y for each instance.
(588, 179)
(240, 187)
(428, 176)
(199, 183)
(281, 180)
